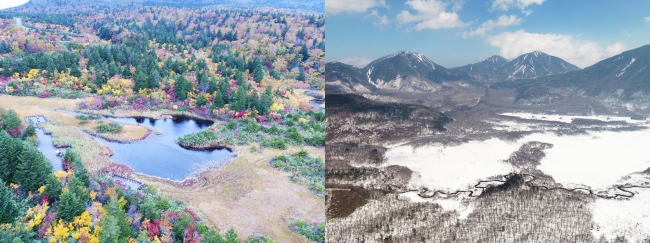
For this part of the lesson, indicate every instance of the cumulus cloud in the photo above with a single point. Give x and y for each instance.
(359, 6)
(501, 21)
(647, 19)
(581, 53)
(505, 5)
(430, 14)
(380, 19)
(359, 62)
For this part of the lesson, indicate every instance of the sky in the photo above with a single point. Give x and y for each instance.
(455, 33)
(11, 3)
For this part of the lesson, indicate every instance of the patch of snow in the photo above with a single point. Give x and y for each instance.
(462, 208)
(568, 118)
(360, 88)
(623, 217)
(623, 70)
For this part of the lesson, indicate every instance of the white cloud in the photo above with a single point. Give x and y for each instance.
(505, 5)
(457, 5)
(339, 6)
(430, 14)
(647, 19)
(501, 21)
(11, 3)
(581, 53)
(356, 61)
(380, 20)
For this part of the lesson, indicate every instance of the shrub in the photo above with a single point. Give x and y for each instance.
(109, 128)
(258, 239)
(307, 170)
(44, 95)
(276, 143)
(314, 232)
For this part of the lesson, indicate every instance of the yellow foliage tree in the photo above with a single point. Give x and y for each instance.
(61, 231)
(35, 216)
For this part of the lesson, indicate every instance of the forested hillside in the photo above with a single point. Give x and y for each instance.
(250, 70)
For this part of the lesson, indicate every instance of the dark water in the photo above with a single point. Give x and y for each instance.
(159, 155)
(317, 103)
(46, 146)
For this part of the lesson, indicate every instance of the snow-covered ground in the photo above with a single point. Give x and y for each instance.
(462, 208)
(454, 168)
(568, 119)
(597, 160)
(629, 218)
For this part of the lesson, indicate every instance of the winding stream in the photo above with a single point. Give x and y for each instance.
(528, 179)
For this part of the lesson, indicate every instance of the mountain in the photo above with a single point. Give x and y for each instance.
(402, 71)
(344, 78)
(622, 77)
(527, 66)
(533, 65)
(484, 71)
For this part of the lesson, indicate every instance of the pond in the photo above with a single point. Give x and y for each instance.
(159, 155)
(317, 104)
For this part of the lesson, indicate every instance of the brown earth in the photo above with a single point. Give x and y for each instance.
(250, 195)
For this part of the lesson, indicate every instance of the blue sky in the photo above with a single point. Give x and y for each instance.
(458, 32)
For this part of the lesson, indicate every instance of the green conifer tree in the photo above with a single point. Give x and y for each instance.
(218, 101)
(8, 206)
(32, 169)
(10, 149)
(70, 206)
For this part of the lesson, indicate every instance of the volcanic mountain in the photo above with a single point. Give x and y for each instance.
(625, 76)
(527, 66)
(403, 71)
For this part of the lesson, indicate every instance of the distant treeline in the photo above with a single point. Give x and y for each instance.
(60, 19)
(314, 5)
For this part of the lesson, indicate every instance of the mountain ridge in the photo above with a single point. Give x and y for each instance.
(401, 71)
(625, 77)
(526, 66)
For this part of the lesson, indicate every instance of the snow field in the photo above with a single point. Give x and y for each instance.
(597, 160)
(454, 168)
(623, 217)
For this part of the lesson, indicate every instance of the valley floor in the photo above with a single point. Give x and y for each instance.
(496, 173)
(247, 193)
